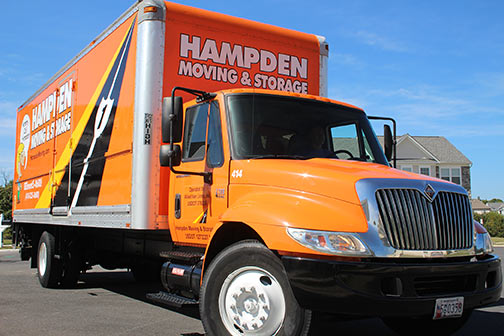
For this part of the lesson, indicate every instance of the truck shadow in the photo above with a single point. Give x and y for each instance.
(498, 303)
(322, 323)
(491, 321)
(123, 283)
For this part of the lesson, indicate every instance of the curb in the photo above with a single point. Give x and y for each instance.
(8, 250)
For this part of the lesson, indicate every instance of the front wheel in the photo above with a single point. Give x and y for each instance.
(246, 292)
(413, 326)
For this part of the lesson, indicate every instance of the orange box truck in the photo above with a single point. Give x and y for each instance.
(199, 148)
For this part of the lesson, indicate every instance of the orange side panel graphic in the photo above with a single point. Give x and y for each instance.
(52, 126)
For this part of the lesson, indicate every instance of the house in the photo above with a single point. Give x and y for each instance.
(433, 156)
(496, 207)
(479, 207)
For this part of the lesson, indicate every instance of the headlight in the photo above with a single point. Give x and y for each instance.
(339, 243)
(483, 241)
(483, 244)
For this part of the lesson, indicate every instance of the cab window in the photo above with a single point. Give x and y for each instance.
(202, 133)
(215, 154)
(193, 148)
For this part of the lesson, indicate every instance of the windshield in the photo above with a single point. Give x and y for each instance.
(270, 126)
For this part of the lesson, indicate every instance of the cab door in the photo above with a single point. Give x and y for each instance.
(197, 202)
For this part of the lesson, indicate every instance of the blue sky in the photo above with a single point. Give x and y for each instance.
(435, 66)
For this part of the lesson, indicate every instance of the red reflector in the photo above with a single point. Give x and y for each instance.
(177, 271)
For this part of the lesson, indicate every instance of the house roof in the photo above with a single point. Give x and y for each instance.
(496, 206)
(438, 147)
(476, 204)
(442, 149)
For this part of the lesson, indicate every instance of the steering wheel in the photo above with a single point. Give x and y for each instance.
(344, 151)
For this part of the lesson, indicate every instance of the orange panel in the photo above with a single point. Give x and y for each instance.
(211, 51)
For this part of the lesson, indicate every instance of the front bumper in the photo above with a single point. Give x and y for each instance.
(389, 288)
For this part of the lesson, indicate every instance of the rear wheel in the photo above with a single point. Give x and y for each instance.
(413, 326)
(48, 267)
(246, 292)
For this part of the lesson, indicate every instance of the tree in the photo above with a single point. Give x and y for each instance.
(6, 204)
(493, 200)
(6, 200)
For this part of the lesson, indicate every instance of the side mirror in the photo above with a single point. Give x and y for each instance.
(168, 117)
(388, 142)
(165, 155)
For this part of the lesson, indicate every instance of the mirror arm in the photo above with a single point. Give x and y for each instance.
(394, 142)
(201, 96)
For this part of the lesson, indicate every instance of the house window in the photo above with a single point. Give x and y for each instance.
(451, 174)
(407, 168)
(425, 171)
(445, 174)
(455, 175)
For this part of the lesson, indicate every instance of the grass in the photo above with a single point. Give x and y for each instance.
(7, 243)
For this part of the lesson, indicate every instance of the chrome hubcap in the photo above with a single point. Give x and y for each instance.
(251, 302)
(42, 259)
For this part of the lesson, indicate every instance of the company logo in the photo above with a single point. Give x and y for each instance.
(52, 116)
(429, 192)
(24, 144)
(241, 64)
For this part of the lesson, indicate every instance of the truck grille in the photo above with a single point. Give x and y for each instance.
(411, 222)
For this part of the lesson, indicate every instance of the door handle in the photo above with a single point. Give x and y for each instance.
(178, 209)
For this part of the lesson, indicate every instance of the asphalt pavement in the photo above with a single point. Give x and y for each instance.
(112, 303)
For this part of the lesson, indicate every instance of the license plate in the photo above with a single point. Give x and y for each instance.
(449, 307)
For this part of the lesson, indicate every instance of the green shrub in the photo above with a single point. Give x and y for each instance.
(7, 234)
(6, 199)
(6, 204)
(493, 222)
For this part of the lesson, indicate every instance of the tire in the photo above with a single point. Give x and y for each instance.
(246, 291)
(413, 326)
(48, 267)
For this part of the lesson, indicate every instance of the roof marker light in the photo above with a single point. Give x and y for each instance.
(150, 9)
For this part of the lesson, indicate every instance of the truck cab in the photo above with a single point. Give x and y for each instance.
(301, 180)
(250, 143)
